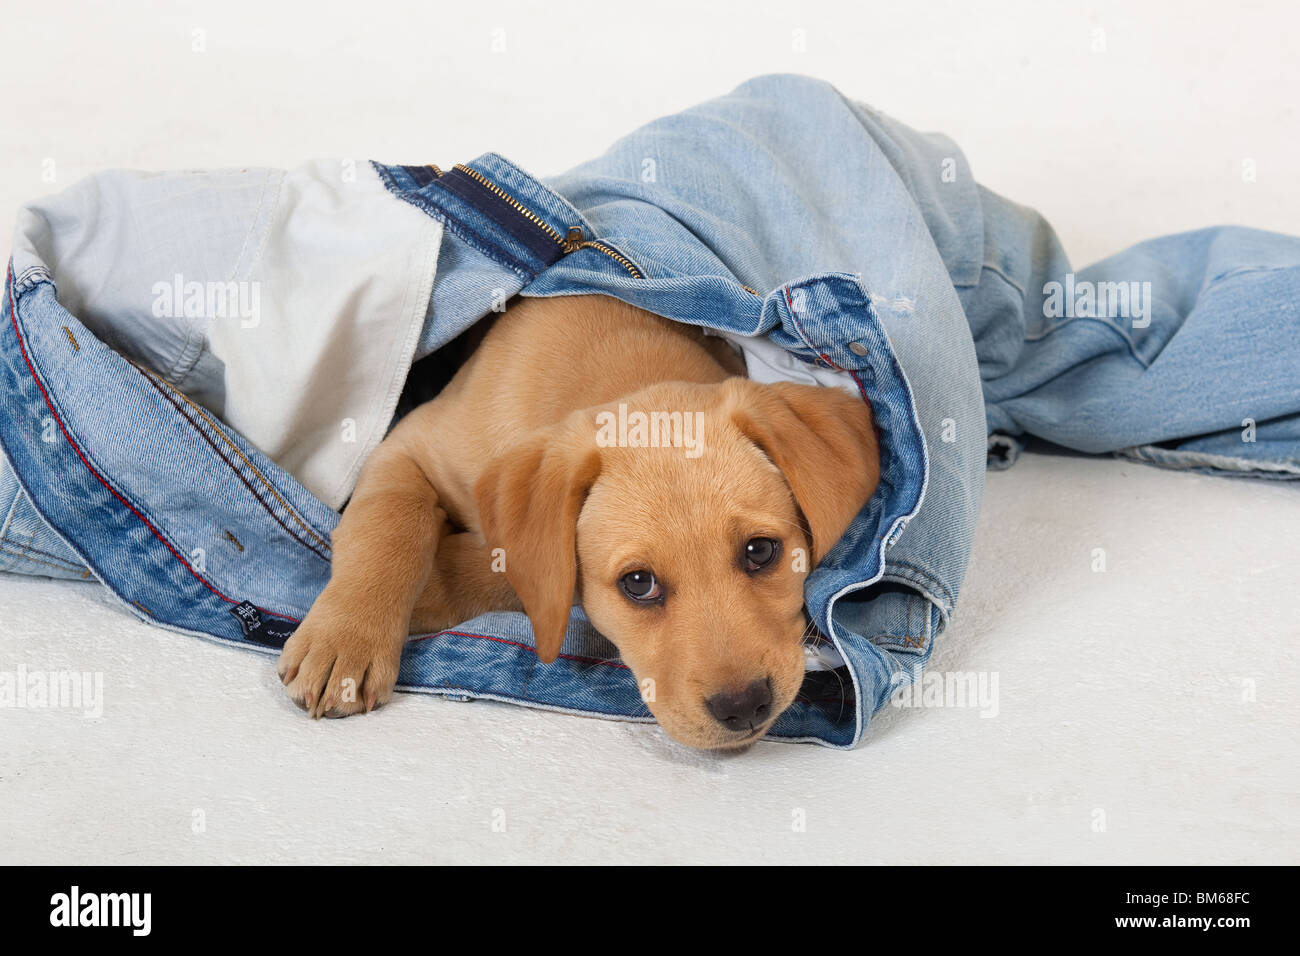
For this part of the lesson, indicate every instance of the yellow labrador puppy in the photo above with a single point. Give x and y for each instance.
(600, 455)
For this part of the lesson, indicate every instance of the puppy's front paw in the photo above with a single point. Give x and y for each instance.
(335, 667)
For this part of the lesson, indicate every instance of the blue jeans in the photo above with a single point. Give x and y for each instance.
(830, 243)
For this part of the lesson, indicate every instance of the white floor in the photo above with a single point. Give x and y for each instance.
(1145, 713)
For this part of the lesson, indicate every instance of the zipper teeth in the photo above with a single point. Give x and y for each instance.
(568, 245)
(511, 200)
(616, 256)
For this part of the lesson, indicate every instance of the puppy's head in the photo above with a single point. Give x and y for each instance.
(685, 520)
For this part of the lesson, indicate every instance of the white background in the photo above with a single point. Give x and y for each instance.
(1147, 713)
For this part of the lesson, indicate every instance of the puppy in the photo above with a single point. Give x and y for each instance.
(686, 541)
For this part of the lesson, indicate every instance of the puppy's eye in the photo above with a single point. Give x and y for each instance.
(640, 586)
(760, 552)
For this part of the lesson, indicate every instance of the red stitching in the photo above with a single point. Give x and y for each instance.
(803, 333)
(502, 640)
(13, 318)
(862, 390)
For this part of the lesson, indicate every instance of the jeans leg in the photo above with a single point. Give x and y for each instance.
(1182, 351)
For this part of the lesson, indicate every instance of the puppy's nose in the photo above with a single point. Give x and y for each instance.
(745, 709)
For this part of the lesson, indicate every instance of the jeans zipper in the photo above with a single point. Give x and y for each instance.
(574, 241)
(569, 243)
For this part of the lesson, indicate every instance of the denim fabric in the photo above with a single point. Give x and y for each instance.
(831, 244)
(28, 544)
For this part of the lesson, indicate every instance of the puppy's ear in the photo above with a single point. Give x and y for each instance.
(823, 440)
(528, 504)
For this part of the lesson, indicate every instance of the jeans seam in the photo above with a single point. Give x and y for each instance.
(26, 548)
(997, 271)
(1243, 270)
(1124, 336)
(911, 574)
(261, 478)
(49, 564)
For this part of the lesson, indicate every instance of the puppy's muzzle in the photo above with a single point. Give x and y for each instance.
(745, 710)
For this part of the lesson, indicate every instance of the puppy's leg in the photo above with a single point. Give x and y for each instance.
(468, 580)
(344, 657)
